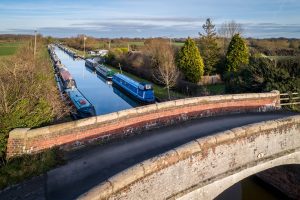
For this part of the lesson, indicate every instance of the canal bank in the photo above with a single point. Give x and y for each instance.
(102, 95)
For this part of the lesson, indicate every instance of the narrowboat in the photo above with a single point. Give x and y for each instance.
(58, 67)
(104, 71)
(91, 63)
(83, 107)
(139, 90)
(66, 79)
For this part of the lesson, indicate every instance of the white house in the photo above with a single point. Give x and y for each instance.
(102, 52)
(92, 53)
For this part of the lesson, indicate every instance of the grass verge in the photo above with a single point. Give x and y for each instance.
(19, 169)
(215, 89)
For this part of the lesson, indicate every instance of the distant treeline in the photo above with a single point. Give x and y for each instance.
(9, 37)
(269, 46)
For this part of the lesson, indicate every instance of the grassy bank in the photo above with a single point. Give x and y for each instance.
(22, 168)
(28, 98)
(215, 89)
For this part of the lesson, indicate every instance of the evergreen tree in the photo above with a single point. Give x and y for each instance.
(190, 62)
(237, 54)
(208, 47)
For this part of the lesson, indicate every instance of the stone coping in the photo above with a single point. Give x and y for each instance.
(138, 111)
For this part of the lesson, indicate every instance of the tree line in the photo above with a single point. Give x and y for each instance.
(223, 51)
(166, 64)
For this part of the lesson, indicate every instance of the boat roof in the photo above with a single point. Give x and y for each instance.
(78, 99)
(65, 75)
(128, 80)
(104, 68)
(91, 60)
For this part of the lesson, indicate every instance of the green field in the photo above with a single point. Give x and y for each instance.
(277, 58)
(8, 48)
(215, 89)
(280, 58)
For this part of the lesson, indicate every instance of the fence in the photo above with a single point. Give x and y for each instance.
(289, 99)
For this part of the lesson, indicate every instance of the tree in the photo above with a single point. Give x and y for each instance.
(227, 31)
(163, 63)
(208, 47)
(237, 54)
(264, 75)
(190, 61)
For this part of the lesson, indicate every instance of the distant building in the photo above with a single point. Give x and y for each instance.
(92, 53)
(102, 52)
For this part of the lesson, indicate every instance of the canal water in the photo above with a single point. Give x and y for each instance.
(104, 97)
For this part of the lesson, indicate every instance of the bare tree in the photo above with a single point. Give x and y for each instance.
(228, 30)
(163, 63)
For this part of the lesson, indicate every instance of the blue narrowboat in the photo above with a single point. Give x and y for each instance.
(91, 63)
(141, 91)
(83, 107)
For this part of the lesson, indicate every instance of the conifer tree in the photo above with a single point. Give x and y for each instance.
(208, 47)
(237, 54)
(189, 61)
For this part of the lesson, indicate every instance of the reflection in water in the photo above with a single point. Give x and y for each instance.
(104, 80)
(124, 97)
(251, 188)
(96, 90)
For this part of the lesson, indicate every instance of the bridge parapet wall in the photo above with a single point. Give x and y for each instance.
(202, 162)
(136, 120)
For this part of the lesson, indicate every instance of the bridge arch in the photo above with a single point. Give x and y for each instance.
(204, 168)
(280, 176)
(214, 189)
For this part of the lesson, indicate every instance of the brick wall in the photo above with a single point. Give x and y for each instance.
(123, 123)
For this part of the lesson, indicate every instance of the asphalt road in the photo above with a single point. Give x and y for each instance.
(86, 168)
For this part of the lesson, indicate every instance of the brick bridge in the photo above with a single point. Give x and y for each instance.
(128, 122)
(199, 169)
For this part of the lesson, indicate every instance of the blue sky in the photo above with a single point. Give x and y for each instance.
(148, 18)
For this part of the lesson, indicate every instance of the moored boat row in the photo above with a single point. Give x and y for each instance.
(140, 91)
(68, 50)
(82, 107)
(100, 69)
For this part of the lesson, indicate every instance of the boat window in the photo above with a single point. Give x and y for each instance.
(141, 87)
(148, 87)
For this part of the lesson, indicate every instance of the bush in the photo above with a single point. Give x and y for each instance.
(264, 75)
(18, 169)
(28, 96)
